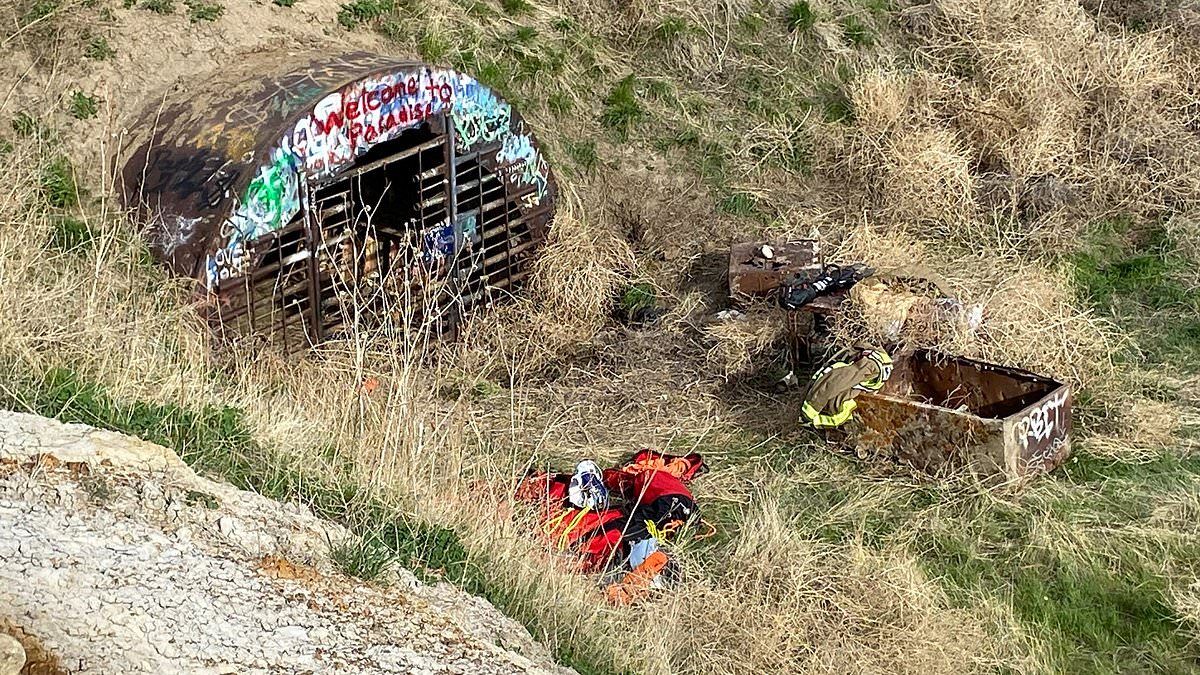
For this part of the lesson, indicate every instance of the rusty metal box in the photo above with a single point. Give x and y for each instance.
(753, 275)
(940, 412)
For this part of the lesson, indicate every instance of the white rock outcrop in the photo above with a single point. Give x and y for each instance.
(116, 558)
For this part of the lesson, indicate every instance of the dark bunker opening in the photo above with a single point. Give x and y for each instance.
(354, 192)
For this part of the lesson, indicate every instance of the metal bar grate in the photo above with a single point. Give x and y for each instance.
(413, 236)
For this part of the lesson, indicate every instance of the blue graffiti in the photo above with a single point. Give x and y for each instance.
(439, 243)
(521, 162)
(479, 117)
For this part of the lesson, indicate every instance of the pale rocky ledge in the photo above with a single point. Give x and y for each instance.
(150, 579)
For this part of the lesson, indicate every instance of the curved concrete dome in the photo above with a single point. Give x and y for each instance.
(322, 172)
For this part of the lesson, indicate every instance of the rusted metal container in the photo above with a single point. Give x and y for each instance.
(940, 413)
(308, 194)
(753, 275)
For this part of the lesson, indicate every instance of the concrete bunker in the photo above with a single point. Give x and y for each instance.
(940, 412)
(308, 195)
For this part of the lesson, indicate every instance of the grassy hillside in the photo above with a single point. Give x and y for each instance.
(1043, 157)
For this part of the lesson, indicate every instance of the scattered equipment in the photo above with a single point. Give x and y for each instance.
(651, 505)
(799, 291)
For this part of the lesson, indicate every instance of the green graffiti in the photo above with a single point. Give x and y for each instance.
(270, 200)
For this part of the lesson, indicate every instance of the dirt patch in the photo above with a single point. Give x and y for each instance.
(38, 659)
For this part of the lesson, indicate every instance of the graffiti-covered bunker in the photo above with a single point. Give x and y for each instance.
(307, 195)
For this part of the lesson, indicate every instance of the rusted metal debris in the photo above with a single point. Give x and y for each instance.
(751, 274)
(940, 413)
(305, 196)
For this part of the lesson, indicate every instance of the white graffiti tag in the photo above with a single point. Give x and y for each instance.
(1040, 423)
(175, 231)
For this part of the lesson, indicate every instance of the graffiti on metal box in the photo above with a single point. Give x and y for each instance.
(1044, 421)
(344, 124)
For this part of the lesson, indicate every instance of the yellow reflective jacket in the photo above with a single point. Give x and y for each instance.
(829, 401)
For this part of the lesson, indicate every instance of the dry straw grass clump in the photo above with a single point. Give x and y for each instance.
(570, 293)
(786, 604)
(926, 179)
(1105, 112)
(735, 341)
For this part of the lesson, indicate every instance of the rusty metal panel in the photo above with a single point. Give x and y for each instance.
(1039, 436)
(259, 183)
(753, 275)
(930, 438)
(941, 413)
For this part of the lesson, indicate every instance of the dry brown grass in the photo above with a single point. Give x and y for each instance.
(1001, 94)
(1030, 315)
(788, 604)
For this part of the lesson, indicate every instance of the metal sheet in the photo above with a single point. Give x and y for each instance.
(751, 274)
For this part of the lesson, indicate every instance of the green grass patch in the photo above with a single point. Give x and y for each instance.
(98, 49)
(38, 11)
(70, 235)
(484, 389)
(516, 7)
(623, 108)
(799, 17)
(495, 74)
(353, 14)
(27, 125)
(560, 103)
(366, 557)
(433, 46)
(1096, 615)
(199, 10)
(752, 24)
(285, 3)
(58, 183)
(637, 298)
(834, 102)
(741, 204)
(478, 9)
(521, 36)
(712, 163)
(672, 28)
(83, 106)
(583, 153)
(877, 6)
(159, 6)
(1131, 272)
(857, 32)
